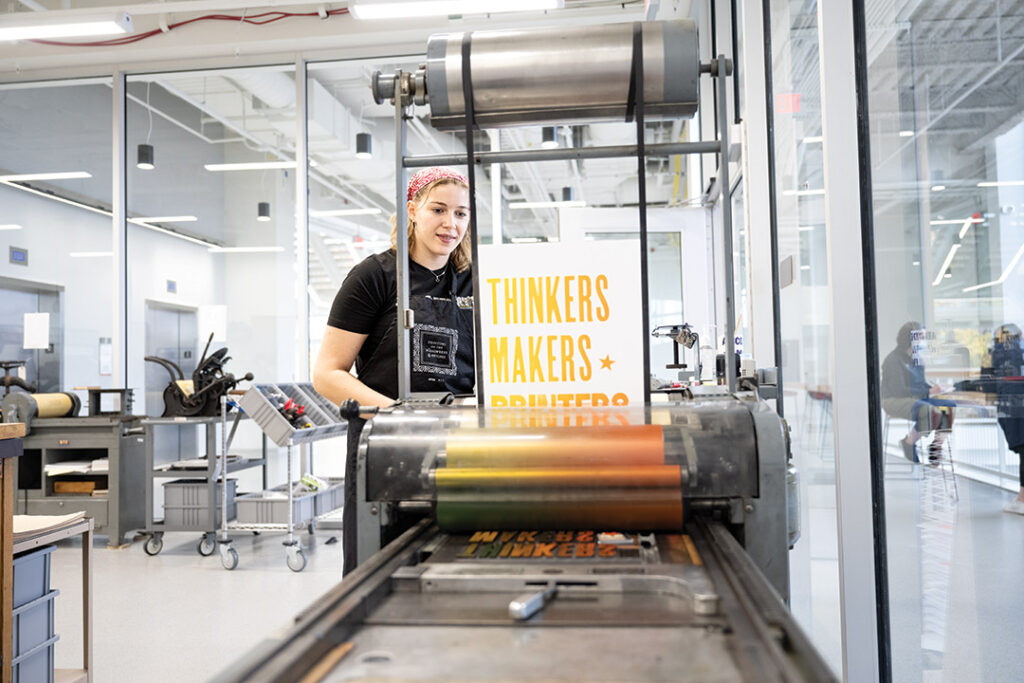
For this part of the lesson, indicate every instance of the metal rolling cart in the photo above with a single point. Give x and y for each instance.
(262, 403)
(202, 515)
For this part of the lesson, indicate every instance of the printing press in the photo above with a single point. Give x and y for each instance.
(603, 544)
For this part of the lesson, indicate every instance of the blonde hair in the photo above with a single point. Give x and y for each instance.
(462, 257)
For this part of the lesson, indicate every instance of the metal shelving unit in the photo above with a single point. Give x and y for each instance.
(261, 403)
(210, 474)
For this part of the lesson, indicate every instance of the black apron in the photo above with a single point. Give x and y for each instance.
(441, 359)
(441, 346)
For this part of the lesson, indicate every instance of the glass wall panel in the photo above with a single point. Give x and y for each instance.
(211, 237)
(946, 97)
(55, 234)
(352, 173)
(805, 314)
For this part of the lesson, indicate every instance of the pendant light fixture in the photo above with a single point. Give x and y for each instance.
(364, 146)
(549, 137)
(263, 212)
(145, 157)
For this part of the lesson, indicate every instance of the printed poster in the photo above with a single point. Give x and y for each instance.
(561, 324)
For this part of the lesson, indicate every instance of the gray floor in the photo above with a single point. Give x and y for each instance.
(956, 593)
(178, 616)
(956, 590)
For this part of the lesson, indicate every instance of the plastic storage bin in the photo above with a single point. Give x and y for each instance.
(36, 665)
(271, 507)
(32, 575)
(259, 403)
(186, 503)
(330, 498)
(33, 624)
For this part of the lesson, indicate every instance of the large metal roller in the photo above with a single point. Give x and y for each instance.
(625, 445)
(580, 74)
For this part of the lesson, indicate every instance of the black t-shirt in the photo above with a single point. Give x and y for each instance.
(367, 297)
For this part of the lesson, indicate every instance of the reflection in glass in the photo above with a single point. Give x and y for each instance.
(947, 156)
(805, 313)
(56, 239)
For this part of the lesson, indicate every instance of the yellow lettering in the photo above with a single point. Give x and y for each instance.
(522, 300)
(601, 283)
(569, 299)
(551, 299)
(568, 369)
(483, 537)
(522, 550)
(586, 310)
(498, 353)
(536, 300)
(543, 550)
(585, 369)
(536, 370)
(493, 282)
(518, 367)
(620, 399)
(511, 312)
(551, 358)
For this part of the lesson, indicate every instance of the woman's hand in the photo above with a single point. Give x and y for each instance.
(332, 376)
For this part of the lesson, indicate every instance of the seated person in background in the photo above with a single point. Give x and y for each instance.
(1008, 362)
(906, 395)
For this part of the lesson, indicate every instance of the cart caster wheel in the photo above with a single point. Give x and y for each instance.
(255, 533)
(297, 560)
(229, 558)
(311, 528)
(153, 546)
(206, 546)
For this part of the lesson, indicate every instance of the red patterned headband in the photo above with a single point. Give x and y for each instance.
(420, 179)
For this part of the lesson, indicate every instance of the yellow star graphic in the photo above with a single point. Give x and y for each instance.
(606, 362)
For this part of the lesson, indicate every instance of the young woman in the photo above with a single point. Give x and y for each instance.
(362, 327)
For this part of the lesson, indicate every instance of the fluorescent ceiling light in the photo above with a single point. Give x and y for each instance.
(957, 221)
(805, 267)
(906, 133)
(34, 26)
(166, 219)
(104, 212)
(803, 193)
(90, 254)
(523, 240)
(10, 226)
(812, 138)
(24, 177)
(251, 166)
(244, 250)
(1002, 183)
(806, 228)
(343, 212)
(388, 9)
(967, 226)
(945, 264)
(578, 203)
(938, 188)
(1002, 278)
